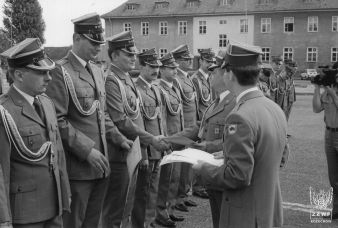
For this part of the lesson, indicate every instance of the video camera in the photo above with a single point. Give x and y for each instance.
(326, 78)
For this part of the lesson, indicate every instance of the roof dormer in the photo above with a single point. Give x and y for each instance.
(132, 6)
(161, 4)
(192, 3)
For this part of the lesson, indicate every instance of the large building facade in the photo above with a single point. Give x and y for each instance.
(303, 30)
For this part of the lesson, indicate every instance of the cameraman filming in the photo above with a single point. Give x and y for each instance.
(328, 101)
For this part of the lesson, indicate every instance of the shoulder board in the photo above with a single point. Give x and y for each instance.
(62, 61)
(3, 98)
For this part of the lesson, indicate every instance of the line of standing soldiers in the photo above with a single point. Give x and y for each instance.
(277, 82)
(66, 129)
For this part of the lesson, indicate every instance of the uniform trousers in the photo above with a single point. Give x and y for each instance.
(87, 202)
(167, 190)
(144, 210)
(331, 150)
(185, 182)
(115, 198)
(215, 200)
(55, 222)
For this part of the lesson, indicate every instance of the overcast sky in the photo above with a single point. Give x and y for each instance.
(58, 14)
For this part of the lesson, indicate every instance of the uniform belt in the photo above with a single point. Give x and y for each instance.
(332, 129)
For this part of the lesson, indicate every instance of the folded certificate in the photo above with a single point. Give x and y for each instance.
(191, 156)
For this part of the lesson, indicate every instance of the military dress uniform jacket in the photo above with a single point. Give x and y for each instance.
(212, 125)
(174, 120)
(80, 133)
(151, 109)
(203, 92)
(130, 124)
(31, 191)
(254, 142)
(189, 99)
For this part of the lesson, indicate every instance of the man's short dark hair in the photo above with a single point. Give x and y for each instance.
(246, 75)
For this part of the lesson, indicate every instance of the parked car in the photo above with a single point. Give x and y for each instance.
(308, 74)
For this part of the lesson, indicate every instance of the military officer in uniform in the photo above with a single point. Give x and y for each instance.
(78, 92)
(290, 70)
(34, 186)
(209, 133)
(254, 144)
(201, 80)
(174, 122)
(123, 106)
(190, 113)
(151, 109)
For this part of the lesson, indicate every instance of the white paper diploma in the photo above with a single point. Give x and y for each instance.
(191, 156)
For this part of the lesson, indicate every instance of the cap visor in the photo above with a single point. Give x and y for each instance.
(43, 65)
(156, 63)
(213, 67)
(134, 52)
(99, 39)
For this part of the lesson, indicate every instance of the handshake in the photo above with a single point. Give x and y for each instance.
(160, 144)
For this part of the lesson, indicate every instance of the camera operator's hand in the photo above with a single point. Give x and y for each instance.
(331, 91)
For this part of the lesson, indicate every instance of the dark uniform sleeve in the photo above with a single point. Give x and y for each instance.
(239, 162)
(73, 140)
(5, 210)
(123, 122)
(198, 90)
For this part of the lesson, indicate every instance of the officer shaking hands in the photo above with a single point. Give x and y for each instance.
(253, 145)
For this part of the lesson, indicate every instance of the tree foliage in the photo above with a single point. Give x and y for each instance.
(23, 19)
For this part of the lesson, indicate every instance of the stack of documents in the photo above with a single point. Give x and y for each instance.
(191, 156)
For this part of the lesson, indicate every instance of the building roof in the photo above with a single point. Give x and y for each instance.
(147, 8)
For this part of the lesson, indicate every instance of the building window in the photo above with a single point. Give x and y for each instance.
(126, 26)
(225, 2)
(192, 3)
(161, 5)
(222, 22)
(265, 25)
(202, 27)
(266, 54)
(288, 24)
(334, 23)
(288, 53)
(334, 54)
(145, 28)
(312, 24)
(163, 28)
(131, 6)
(243, 25)
(264, 2)
(162, 52)
(182, 28)
(311, 54)
(222, 40)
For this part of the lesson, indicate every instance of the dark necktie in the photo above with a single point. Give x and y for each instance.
(88, 69)
(38, 108)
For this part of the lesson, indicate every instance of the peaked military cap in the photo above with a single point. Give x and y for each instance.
(276, 58)
(29, 53)
(123, 41)
(207, 54)
(219, 59)
(182, 52)
(290, 63)
(89, 26)
(238, 55)
(169, 61)
(150, 57)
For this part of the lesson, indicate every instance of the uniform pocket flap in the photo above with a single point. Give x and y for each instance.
(30, 130)
(85, 92)
(19, 188)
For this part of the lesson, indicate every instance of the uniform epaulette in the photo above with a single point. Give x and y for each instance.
(62, 61)
(3, 98)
